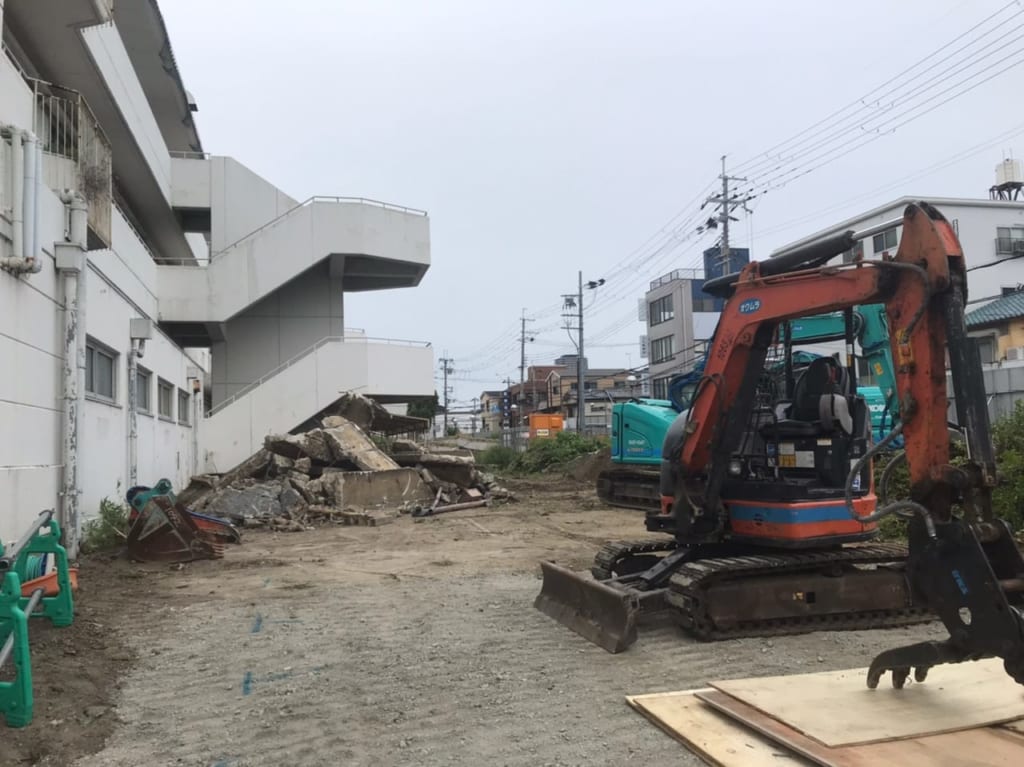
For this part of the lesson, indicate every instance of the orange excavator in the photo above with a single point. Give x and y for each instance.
(770, 501)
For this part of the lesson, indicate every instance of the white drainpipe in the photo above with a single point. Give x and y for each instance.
(133, 411)
(71, 263)
(26, 181)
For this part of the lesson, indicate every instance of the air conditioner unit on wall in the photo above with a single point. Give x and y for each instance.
(1018, 246)
(1015, 353)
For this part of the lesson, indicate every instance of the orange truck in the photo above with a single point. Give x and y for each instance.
(545, 425)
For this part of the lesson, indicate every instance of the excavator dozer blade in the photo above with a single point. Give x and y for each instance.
(600, 613)
(162, 533)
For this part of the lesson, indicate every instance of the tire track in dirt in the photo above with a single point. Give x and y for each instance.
(442, 671)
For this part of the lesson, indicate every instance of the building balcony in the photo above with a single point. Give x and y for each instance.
(76, 153)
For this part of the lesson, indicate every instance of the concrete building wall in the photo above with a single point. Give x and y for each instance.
(165, 444)
(278, 328)
(119, 286)
(111, 59)
(312, 383)
(243, 202)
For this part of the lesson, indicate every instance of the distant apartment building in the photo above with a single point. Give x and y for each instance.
(681, 317)
(991, 232)
(129, 254)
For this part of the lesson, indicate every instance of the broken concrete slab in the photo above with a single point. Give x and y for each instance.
(365, 490)
(297, 446)
(258, 500)
(460, 470)
(290, 499)
(348, 442)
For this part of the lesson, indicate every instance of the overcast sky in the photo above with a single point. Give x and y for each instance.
(548, 137)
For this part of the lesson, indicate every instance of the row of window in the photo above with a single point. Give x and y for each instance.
(101, 365)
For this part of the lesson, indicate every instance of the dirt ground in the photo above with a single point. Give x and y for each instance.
(413, 643)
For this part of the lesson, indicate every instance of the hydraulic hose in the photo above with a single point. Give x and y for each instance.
(893, 508)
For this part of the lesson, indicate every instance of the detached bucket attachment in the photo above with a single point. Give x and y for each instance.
(162, 533)
(220, 529)
(600, 613)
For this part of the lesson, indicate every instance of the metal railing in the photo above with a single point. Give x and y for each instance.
(1006, 246)
(305, 353)
(214, 255)
(190, 155)
(67, 128)
(678, 274)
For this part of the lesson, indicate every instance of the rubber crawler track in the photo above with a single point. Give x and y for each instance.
(688, 586)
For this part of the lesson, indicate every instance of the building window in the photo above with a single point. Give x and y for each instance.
(100, 370)
(661, 349)
(884, 241)
(184, 414)
(660, 387)
(1010, 240)
(143, 381)
(661, 310)
(165, 399)
(705, 303)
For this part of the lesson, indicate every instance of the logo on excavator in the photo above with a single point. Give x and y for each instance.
(750, 306)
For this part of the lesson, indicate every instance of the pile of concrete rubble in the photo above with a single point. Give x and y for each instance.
(336, 474)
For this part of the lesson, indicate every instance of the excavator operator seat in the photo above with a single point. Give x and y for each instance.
(820, 404)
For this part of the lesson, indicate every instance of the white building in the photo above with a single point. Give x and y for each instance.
(991, 233)
(116, 227)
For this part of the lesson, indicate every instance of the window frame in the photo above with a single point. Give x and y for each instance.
(163, 385)
(660, 310)
(147, 374)
(659, 387)
(94, 348)
(184, 419)
(657, 353)
(883, 237)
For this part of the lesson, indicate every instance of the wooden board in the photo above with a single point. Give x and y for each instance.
(837, 709)
(1017, 726)
(715, 738)
(981, 747)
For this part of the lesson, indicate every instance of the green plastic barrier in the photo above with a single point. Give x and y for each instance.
(15, 610)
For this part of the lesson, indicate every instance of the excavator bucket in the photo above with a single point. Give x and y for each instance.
(220, 529)
(162, 533)
(596, 611)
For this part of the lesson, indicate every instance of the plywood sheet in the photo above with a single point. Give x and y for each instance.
(714, 737)
(836, 708)
(981, 747)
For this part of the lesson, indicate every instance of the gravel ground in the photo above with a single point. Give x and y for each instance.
(414, 643)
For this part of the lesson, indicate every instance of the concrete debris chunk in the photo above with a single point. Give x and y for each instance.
(347, 441)
(337, 474)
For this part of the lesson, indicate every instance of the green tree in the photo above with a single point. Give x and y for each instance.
(424, 407)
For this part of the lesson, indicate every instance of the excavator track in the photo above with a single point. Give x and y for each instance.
(630, 488)
(615, 553)
(690, 593)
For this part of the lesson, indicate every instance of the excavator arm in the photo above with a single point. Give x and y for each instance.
(963, 563)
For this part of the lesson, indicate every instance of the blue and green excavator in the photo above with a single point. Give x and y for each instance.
(639, 426)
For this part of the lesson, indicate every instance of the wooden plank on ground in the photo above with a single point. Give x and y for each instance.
(981, 747)
(836, 708)
(715, 738)
(1017, 726)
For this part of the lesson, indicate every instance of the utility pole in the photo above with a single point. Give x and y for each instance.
(472, 419)
(581, 396)
(726, 204)
(523, 338)
(576, 302)
(447, 369)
